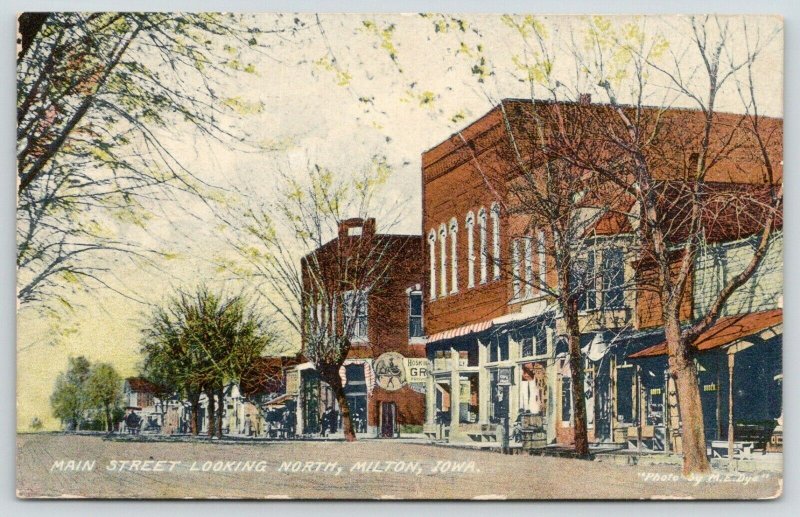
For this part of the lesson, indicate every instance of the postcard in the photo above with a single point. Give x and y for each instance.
(399, 256)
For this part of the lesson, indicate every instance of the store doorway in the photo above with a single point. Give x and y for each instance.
(388, 420)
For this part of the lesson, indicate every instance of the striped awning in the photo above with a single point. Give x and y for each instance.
(460, 331)
(369, 374)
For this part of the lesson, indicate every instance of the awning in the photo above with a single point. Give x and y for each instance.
(281, 399)
(369, 374)
(726, 331)
(460, 331)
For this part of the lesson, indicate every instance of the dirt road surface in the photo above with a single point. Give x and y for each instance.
(368, 469)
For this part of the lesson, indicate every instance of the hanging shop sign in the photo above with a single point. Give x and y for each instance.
(417, 369)
(292, 382)
(390, 371)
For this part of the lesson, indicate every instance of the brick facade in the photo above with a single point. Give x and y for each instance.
(388, 327)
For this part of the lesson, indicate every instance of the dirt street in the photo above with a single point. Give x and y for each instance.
(368, 469)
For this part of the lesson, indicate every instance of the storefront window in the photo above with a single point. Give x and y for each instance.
(625, 387)
(566, 399)
(498, 349)
(468, 409)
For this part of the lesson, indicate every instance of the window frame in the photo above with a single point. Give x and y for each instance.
(469, 223)
(483, 245)
(443, 260)
(419, 317)
(362, 320)
(453, 256)
(496, 256)
(433, 268)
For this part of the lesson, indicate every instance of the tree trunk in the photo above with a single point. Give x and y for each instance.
(684, 371)
(568, 305)
(211, 413)
(108, 418)
(335, 382)
(578, 392)
(220, 410)
(194, 400)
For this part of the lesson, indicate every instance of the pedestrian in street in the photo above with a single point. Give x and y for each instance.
(327, 423)
(334, 422)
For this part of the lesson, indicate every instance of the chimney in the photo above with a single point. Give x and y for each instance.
(585, 99)
(357, 227)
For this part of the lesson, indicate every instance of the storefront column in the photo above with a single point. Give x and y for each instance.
(430, 396)
(483, 385)
(455, 393)
(553, 387)
(731, 362)
(513, 399)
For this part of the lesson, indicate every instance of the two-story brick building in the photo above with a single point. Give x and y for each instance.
(382, 381)
(493, 340)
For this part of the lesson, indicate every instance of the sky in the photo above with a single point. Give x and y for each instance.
(314, 112)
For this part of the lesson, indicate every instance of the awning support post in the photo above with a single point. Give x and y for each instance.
(731, 362)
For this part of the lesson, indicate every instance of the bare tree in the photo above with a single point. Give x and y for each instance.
(692, 175)
(318, 285)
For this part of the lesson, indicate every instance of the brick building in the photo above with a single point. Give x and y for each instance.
(493, 337)
(383, 317)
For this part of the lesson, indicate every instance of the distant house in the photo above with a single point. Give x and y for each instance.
(141, 396)
(245, 402)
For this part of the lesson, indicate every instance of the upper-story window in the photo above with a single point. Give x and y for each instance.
(354, 314)
(495, 241)
(453, 255)
(586, 277)
(432, 253)
(443, 247)
(415, 314)
(522, 267)
(540, 250)
(599, 279)
(470, 225)
(528, 267)
(516, 280)
(483, 245)
(613, 275)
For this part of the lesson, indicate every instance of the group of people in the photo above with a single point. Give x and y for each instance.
(133, 423)
(330, 421)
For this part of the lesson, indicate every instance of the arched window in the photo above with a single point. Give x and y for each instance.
(528, 267)
(496, 240)
(515, 273)
(432, 252)
(483, 250)
(470, 224)
(443, 243)
(453, 255)
(542, 260)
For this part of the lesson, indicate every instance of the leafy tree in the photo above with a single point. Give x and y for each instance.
(104, 391)
(68, 400)
(202, 341)
(96, 95)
